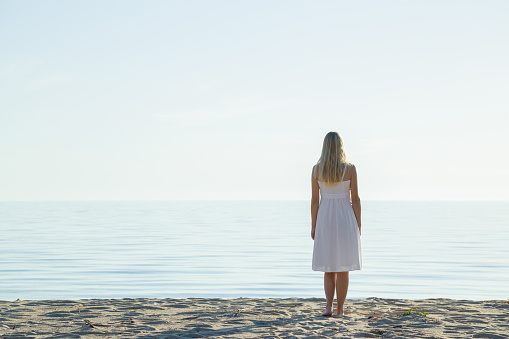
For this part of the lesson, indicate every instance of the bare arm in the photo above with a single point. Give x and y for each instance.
(315, 201)
(356, 201)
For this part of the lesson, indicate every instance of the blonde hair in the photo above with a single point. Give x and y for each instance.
(330, 166)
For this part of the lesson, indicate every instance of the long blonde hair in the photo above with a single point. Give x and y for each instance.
(330, 166)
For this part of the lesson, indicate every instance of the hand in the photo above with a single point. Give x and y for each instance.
(313, 233)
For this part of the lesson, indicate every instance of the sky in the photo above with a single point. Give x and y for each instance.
(231, 100)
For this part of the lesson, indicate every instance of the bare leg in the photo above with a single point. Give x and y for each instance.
(341, 290)
(329, 283)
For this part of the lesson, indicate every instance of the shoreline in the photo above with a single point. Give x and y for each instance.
(253, 318)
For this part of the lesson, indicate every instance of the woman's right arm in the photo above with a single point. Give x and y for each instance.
(356, 201)
(315, 201)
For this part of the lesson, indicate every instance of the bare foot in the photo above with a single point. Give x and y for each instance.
(340, 312)
(326, 313)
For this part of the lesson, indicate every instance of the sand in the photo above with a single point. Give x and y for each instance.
(252, 318)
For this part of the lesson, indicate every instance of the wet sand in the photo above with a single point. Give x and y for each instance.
(253, 318)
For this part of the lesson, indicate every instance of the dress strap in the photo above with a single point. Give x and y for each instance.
(344, 170)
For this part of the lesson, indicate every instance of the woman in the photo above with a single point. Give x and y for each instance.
(336, 220)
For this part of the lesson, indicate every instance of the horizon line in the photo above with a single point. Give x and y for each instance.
(251, 200)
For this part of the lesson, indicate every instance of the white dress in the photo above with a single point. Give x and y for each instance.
(337, 246)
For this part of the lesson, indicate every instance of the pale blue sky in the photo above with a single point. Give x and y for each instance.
(134, 100)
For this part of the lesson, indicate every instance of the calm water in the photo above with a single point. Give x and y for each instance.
(73, 250)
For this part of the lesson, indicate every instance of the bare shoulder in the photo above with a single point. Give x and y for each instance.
(314, 172)
(351, 171)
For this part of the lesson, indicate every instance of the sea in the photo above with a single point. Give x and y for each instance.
(231, 249)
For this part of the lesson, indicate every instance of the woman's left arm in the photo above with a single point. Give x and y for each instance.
(356, 201)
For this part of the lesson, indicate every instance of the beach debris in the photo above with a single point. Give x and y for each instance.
(88, 323)
(237, 311)
(130, 321)
(191, 317)
(496, 301)
(412, 311)
(13, 327)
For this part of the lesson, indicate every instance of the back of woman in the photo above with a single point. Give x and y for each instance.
(336, 225)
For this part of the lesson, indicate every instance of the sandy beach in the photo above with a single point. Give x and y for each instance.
(252, 318)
